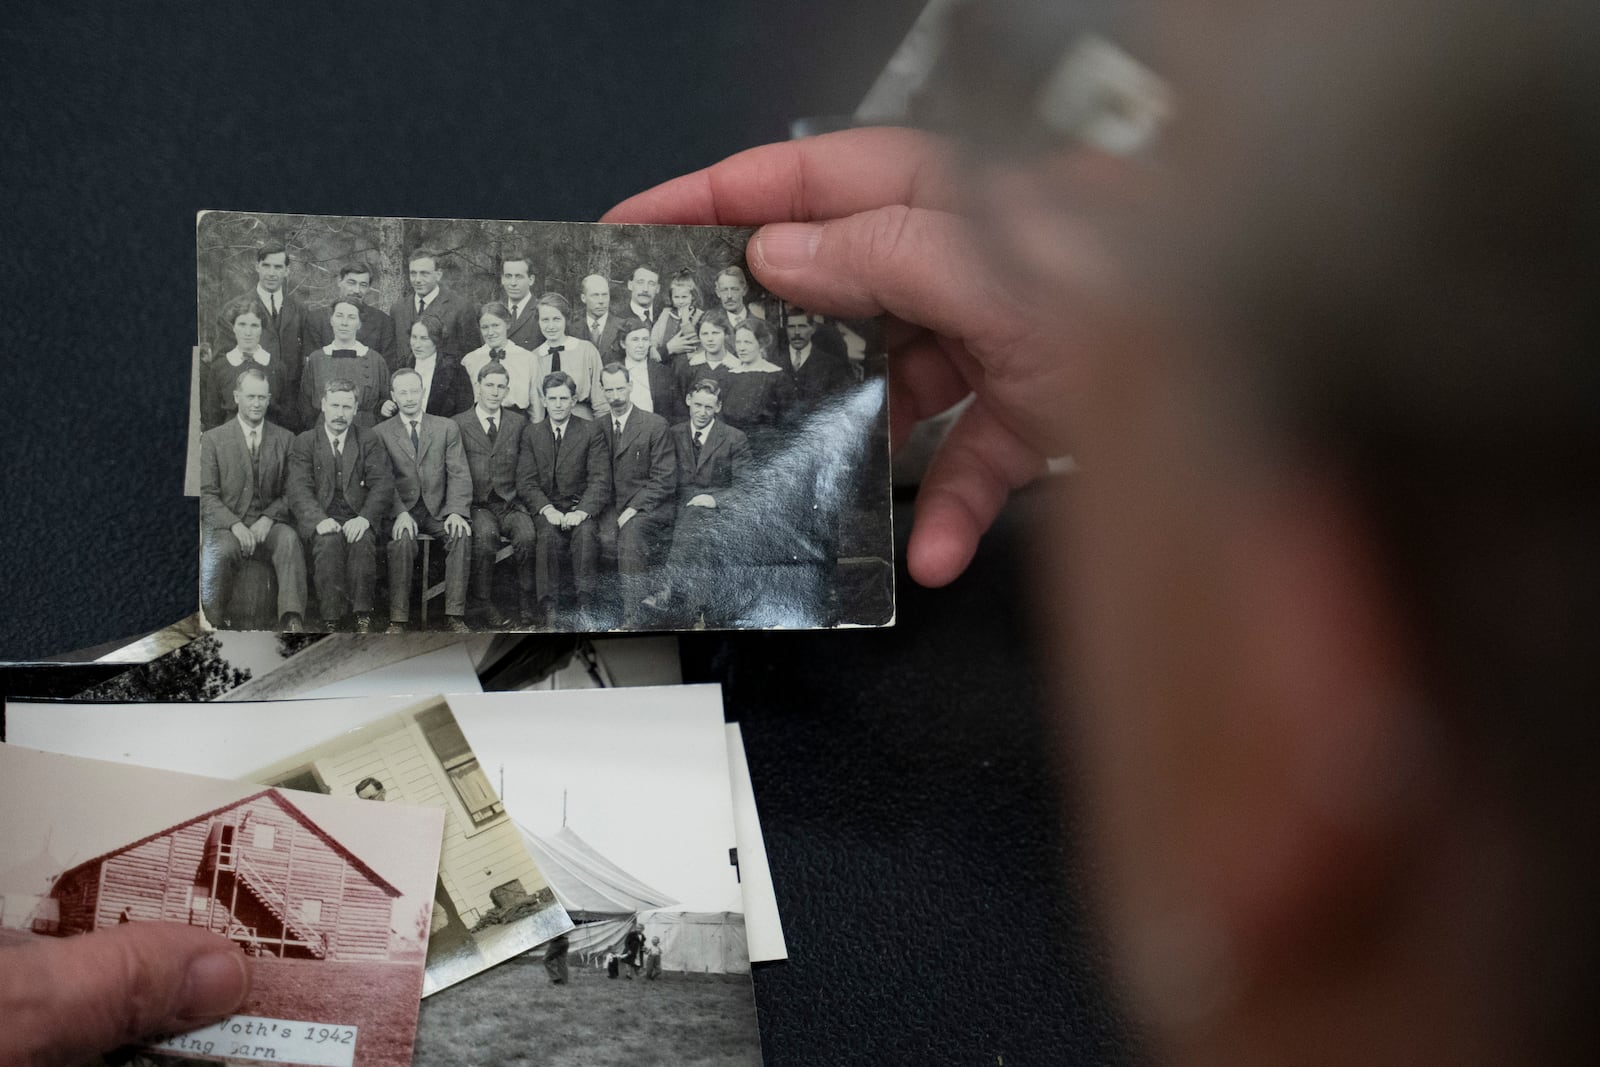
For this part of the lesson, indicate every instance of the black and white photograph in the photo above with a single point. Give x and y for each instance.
(329, 899)
(490, 426)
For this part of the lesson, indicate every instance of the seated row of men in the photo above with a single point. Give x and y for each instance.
(448, 339)
(567, 493)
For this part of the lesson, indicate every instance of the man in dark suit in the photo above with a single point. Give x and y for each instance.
(635, 524)
(566, 486)
(819, 369)
(599, 324)
(377, 328)
(458, 316)
(493, 439)
(731, 289)
(643, 286)
(713, 461)
(432, 496)
(516, 281)
(283, 316)
(340, 488)
(243, 466)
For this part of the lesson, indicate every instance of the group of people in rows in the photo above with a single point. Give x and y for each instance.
(619, 460)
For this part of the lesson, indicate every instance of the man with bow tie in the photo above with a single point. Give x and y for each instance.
(713, 461)
(565, 486)
(433, 496)
(243, 466)
(635, 525)
(340, 489)
(493, 440)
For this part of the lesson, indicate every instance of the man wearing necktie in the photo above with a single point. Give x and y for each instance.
(340, 489)
(731, 289)
(457, 315)
(516, 282)
(566, 485)
(283, 317)
(243, 466)
(433, 496)
(643, 286)
(494, 441)
(713, 461)
(634, 527)
(598, 324)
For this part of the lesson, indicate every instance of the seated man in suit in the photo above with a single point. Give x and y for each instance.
(243, 466)
(377, 328)
(713, 461)
(598, 324)
(340, 489)
(566, 485)
(494, 442)
(635, 524)
(432, 495)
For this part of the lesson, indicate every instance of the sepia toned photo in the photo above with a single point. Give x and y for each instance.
(490, 900)
(330, 899)
(471, 425)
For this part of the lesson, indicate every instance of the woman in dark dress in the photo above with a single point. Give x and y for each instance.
(219, 377)
(759, 396)
(446, 389)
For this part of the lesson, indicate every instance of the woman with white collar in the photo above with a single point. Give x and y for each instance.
(219, 376)
(759, 395)
(344, 357)
(712, 357)
(494, 323)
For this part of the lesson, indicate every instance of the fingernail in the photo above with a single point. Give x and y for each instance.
(786, 245)
(214, 985)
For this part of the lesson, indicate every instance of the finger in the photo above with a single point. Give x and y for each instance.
(968, 482)
(923, 381)
(822, 177)
(63, 1000)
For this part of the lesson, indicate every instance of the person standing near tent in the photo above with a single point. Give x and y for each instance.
(555, 959)
(633, 950)
(652, 959)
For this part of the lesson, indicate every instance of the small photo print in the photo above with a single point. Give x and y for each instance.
(478, 425)
(329, 898)
(490, 900)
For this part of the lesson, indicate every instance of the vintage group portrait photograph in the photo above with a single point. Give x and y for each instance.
(488, 426)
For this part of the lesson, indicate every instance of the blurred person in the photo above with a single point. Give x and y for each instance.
(458, 318)
(555, 959)
(652, 959)
(377, 328)
(563, 352)
(565, 484)
(494, 323)
(492, 438)
(339, 488)
(714, 470)
(243, 467)
(346, 359)
(636, 524)
(1327, 568)
(432, 496)
(219, 377)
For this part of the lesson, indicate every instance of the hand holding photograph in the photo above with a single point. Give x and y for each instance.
(495, 426)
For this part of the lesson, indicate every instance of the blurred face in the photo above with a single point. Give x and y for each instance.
(425, 274)
(637, 345)
(558, 401)
(643, 286)
(745, 346)
(596, 295)
(247, 331)
(346, 321)
(338, 409)
(800, 330)
(422, 345)
(252, 397)
(552, 323)
(515, 279)
(272, 270)
(703, 407)
(492, 391)
(493, 328)
(712, 338)
(682, 298)
(354, 286)
(618, 391)
(407, 393)
(372, 792)
(730, 293)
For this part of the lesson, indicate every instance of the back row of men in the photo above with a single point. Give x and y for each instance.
(604, 517)
(448, 338)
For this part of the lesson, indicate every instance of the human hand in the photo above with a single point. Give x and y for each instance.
(455, 526)
(66, 999)
(355, 528)
(574, 519)
(703, 500)
(893, 238)
(246, 539)
(260, 528)
(679, 343)
(387, 408)
(328, 526)
(627, 513)
(404, 526)
(552, 515)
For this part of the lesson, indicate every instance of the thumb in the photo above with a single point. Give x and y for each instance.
(66, 999)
